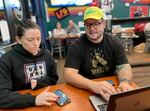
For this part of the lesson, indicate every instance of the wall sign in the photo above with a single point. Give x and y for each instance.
(62, 13)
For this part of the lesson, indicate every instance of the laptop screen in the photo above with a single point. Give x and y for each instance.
(136, 100)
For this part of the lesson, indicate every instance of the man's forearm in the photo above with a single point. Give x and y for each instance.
(76, 79)
(124, 72)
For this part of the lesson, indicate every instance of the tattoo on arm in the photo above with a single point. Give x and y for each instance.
(119, 67)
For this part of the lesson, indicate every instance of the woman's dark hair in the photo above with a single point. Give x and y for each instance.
(24, 25)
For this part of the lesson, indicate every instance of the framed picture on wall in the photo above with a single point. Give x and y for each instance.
(138, 11)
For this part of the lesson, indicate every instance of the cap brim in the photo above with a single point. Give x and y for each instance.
(96, 18)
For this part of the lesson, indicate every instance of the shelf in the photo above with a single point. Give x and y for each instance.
(127, 20)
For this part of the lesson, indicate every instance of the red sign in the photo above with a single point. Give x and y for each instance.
(138, 11)
(62, 13)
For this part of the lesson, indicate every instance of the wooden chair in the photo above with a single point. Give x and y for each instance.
(4, 49)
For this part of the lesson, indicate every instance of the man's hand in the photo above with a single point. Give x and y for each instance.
(124, 86)
(45, 98)
(103, 88)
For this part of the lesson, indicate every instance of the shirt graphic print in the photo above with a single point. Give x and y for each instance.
(35, 71)
(98, 63)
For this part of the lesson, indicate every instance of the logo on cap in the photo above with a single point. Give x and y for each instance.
(94, 13)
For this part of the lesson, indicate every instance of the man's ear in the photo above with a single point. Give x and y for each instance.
(18, 40)
(105, 23)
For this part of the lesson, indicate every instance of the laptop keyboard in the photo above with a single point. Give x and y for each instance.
(102, 107)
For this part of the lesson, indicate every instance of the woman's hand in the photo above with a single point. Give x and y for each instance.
(45, 98)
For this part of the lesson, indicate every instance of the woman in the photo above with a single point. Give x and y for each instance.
(27, 66)
(59, 32)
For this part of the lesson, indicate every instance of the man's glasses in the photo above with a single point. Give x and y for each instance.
(95, 25)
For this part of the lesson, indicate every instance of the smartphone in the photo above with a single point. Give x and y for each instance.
(111, 82)
(63, 98)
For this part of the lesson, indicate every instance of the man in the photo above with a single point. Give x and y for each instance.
(73, 32)
(72, 29)
(95, 55)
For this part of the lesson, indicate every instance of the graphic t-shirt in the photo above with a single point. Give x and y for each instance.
(98, 63)
(96, 60)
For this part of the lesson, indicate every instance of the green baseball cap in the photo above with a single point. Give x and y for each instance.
(94, 13)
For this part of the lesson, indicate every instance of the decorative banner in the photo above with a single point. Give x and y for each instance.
(138, 11)
(72, 10)
(62, 13)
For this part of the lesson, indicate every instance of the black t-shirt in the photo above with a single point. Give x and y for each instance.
(95, 60)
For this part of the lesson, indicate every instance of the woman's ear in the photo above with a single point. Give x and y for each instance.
(18, 40)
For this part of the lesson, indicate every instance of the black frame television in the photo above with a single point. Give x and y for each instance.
(66, 3)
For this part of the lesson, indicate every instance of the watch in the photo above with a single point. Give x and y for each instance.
(125, 80)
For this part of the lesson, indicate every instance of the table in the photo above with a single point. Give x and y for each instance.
(79, 98)
(71, 38)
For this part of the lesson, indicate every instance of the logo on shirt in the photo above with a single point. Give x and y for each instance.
(99, 65)
(35, 71)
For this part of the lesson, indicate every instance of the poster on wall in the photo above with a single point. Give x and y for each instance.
(137, 1)
(138, 11)
(107, 5)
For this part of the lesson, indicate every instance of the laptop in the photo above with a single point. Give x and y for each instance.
(135, 100)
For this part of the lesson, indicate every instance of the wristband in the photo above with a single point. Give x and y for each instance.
(125, 80)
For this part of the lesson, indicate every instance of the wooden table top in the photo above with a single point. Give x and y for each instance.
(79, 98)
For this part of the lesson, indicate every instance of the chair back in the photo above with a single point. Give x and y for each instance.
(4, 49)
(147, 35)
(127, 41)
(56, 46)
